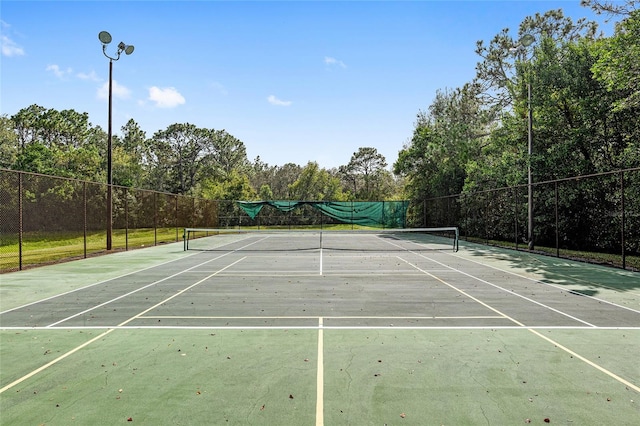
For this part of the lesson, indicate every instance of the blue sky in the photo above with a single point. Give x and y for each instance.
(294, 81)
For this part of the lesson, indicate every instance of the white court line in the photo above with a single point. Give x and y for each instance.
(98, 283)
(351, 273)
(320, 376)
(50, 363)
(475, 299)
(325, 327)
(270, 274)
(332, 317)
(77, 348)
(180, 292)
(556, 286)
(591, 363)
(556, 344)
(149, 285)
(500, 288)
(131, 292)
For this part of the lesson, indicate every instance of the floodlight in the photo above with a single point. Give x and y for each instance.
(105, 37)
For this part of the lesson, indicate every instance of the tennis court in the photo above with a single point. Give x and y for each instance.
(324, 328)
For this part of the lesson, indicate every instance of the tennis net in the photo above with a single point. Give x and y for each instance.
(378, 240)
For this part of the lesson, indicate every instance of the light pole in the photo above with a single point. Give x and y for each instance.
(525, 42)
(105, 39)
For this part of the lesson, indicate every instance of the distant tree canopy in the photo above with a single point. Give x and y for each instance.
(182, 159)
(585, 104)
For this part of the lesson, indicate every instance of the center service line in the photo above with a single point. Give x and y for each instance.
(320, 377)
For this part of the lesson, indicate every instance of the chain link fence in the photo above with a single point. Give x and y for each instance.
(46, 219)
(594, 218)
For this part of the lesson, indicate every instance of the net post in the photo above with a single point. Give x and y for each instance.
(184, 238)
(456, 241)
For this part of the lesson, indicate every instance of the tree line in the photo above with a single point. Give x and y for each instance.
(582, 90)
(182, 159)
(585, 104)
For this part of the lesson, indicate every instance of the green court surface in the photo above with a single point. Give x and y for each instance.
(231, 333)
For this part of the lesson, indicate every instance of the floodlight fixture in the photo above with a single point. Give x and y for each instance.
(127, 49)
(105, 39)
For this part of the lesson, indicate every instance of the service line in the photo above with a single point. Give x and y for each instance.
(537, 333)
(100, 336)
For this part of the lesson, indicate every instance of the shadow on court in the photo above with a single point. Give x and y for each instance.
(561, 271)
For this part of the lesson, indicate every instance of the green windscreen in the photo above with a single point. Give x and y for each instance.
(385, 214)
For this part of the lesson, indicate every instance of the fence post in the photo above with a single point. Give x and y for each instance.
(155, 218)
(126, 219)
(175, 217)
(84, 214)
(622, 222)
(424, 213)
(515, 214)
(555, 189)
(20, 222)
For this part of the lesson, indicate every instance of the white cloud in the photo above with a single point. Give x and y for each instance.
(333, 62)
(8, 46)
(167, 97)
(92, 76)
(275, 101)
(117, 91)
(60, 73)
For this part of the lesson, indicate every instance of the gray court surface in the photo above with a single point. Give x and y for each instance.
(340, 296)
(363, 281)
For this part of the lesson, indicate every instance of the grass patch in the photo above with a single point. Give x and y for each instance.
(40, 248)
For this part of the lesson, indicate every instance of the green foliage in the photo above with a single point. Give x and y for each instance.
(444, 140)
(277, 178)
(8, 142)
(316, 184)
(366, 175)
(618, 64)
(235, 186)
(37, 158)
(265, 192)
